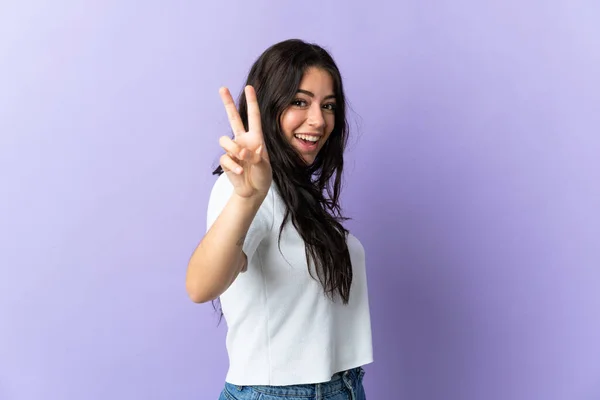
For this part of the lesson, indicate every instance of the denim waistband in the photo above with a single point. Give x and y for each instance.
(338, 382)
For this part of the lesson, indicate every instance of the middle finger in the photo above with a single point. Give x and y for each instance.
(232, 113)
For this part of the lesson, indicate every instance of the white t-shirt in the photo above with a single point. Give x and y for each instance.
(282, 328)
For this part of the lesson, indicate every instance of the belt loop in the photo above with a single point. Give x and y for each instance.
(348, 383)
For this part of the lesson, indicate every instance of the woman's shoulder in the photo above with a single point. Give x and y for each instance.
(223, 186)
(354, 241)
(222, 191)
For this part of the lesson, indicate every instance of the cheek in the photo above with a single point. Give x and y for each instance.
(290, 121)
(330, 122)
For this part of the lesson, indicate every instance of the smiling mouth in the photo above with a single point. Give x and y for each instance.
(308, 139)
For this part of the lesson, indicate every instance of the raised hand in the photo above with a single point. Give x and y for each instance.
(245, 161)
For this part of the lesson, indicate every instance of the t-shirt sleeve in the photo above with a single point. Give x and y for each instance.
(261, 224)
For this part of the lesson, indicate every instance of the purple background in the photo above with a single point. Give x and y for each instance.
(473, 180)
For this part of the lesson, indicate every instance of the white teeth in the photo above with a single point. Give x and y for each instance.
(307, 137)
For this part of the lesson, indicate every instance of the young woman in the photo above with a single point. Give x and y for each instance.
(290, 278)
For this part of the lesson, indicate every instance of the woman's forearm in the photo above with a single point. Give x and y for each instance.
(218, 258)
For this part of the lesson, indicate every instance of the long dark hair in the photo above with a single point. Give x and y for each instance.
(311, 193)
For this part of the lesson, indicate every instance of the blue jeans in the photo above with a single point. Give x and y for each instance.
(345, 385)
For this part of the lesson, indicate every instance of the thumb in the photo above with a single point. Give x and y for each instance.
(256, 156)
(262, 153)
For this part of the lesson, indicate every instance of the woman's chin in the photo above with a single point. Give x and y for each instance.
(308, 159)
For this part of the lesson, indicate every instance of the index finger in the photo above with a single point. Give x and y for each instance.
(254, 123)
(232, 113)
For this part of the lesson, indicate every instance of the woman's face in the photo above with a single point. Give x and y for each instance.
(309, 120)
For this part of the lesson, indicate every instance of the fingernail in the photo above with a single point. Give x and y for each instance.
(258, 151)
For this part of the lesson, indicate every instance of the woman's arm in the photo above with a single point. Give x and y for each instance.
(218, 259)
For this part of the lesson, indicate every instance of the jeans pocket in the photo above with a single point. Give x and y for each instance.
(236, 392)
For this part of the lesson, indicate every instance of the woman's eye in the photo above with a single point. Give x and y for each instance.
(299, 103)
(330, 106)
